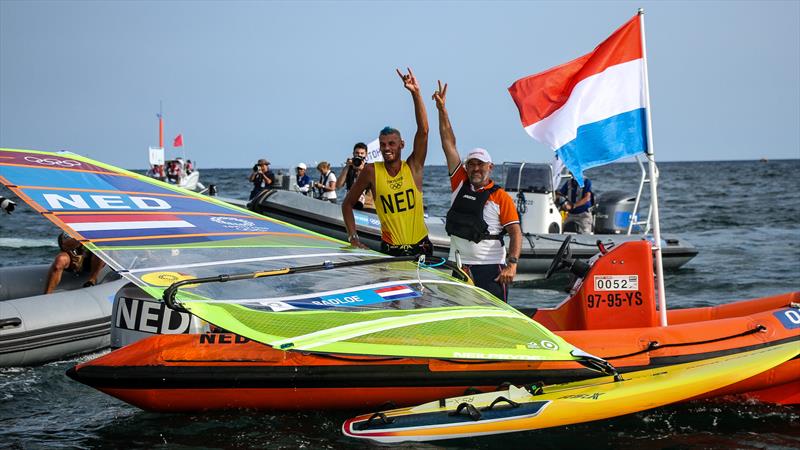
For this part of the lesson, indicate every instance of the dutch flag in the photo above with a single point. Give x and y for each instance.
(591, 110)
(109, 222)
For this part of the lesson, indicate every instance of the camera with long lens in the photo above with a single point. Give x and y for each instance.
(357, 161)
(7, 205)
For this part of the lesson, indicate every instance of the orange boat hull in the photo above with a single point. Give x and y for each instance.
(218, 371)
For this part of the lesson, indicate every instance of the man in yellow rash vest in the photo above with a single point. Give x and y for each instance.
(396, 186)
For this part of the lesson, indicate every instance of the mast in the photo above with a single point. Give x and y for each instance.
(160, 125)
(653, 174)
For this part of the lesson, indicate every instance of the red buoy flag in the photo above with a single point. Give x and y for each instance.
(178, 142)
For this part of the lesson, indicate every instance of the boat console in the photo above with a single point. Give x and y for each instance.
(615, 290)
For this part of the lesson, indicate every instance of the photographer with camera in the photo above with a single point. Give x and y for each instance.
(262, 178)
(350, 172)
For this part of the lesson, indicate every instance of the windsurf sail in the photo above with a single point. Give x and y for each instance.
(347, 300)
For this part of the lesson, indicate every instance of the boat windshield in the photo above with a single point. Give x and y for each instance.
(527, 177)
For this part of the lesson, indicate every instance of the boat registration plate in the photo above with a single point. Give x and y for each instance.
(616, 282)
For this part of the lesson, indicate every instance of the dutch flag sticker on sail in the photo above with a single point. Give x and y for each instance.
(397, 292)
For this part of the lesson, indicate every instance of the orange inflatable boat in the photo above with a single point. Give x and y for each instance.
(611, 314)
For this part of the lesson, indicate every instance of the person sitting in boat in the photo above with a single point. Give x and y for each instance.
(326, 185)
(174, 172)
(157, 172)
(396, 186)
(480, 214)
(350, 172)
(262, 178)
(189, 166)
(75, 258)
(578, 204)
(302, 182)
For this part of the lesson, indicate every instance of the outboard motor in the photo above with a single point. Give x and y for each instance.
(136, 315)
(282, 181)
(615, 210)
(531, 187)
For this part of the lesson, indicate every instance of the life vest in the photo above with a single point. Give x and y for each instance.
(575, 193)
(465, 217)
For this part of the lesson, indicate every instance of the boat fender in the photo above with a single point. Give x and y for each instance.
(472, 411)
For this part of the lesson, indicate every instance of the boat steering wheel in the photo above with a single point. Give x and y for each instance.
(560, 258)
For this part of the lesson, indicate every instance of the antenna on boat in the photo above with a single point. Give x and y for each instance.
(653, 174)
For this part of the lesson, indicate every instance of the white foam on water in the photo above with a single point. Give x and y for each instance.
(27, 243)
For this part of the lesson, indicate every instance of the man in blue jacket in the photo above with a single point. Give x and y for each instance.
(578, 205)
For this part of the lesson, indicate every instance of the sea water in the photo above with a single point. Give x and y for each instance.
(743, 217)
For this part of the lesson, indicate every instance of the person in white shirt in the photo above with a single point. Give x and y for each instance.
(327, 182)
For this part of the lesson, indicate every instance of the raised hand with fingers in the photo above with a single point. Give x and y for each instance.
(440, 95)
(409, 81)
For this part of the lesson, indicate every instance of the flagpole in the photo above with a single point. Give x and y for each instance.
(160, 124)
(651, 159)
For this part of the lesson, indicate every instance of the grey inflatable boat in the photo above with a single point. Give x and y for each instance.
(36, 328)
(538, 249)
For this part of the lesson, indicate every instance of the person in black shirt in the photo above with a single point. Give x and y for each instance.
(262, 178)
(350, 172)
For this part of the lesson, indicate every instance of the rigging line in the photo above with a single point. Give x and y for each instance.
(247, 260)
(544, 238)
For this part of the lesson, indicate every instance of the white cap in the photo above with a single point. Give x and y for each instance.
(302, 166)
(479, 154)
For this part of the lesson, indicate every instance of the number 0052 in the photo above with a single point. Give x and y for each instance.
(616, 283)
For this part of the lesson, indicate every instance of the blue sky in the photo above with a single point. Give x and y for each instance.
(303, 81)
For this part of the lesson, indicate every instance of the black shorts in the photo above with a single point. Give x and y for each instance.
(423, 247)
(483, 276)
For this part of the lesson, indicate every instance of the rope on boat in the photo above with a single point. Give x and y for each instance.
(544, 238)
(654, 345)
